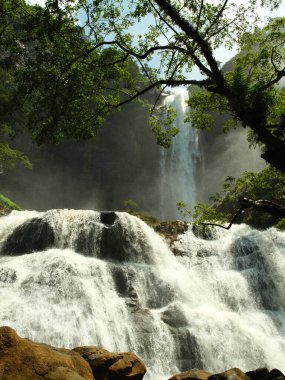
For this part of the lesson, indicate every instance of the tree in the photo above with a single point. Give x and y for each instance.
(43, 89)
(80, 73)
(256, 198)
(72, 76)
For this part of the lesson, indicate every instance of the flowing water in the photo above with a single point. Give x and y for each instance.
(118, 286)
(179, 162)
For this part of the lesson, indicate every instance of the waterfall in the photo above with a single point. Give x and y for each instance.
(118, 286)
(179, 162)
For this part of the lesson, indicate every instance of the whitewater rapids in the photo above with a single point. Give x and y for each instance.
(119, 286)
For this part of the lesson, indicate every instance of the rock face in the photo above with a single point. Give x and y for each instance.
(111, 366)
(22, 359)
(258, 374)
(232, 374)
(34, 235)
(193, 374)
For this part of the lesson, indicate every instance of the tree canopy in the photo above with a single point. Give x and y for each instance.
(72, 74)
(71, 63)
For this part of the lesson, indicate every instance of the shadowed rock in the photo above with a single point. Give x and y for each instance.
(108, 217)
(193, 374)
(275, 374)
(34, 235)
(232, 374)
(258, 374)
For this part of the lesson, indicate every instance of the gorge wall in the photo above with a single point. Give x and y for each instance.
(124, 162)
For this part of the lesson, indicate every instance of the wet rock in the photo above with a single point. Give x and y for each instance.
(4, 211)
(22, 359)
(112, 366)
(88, 239)
(34, 235)
(120, 243)
(193, 374)
(204, 252)
(274, 374)
(108, 217)
(247, 255)
(258, 374)
(187, 349)
(231, 374)
(204, 232)
(174, 316)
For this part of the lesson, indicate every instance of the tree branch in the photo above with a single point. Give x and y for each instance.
(218, 15)
(279, 75)
(237, 214)
(193, 33)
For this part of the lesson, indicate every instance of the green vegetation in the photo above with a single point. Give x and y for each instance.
(70, 77)
(255, 198)
(63, 77)
(7, 204)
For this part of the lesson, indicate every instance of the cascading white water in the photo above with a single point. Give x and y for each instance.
(221, 305)
(179, 162)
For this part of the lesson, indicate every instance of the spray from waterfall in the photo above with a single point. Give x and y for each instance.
(180, 162)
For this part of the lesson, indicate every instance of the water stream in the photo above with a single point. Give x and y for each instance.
(179, 163)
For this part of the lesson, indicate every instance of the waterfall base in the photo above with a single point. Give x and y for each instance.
(115, 283)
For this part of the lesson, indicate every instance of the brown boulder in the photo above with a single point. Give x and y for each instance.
(231, 374)
(193, 374)
(112, 366)
(22, 359)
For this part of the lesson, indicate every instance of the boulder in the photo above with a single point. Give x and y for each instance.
(112, 366)
(34, 235)
(274, 374)
(108, 217)
(22, 359)
(193, 374)
(258, 374)
(231, 374)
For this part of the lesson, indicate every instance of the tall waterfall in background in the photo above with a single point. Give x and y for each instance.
(179, 162)
(82, 282)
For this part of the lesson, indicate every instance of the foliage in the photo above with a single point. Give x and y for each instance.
(6, 203)
(261, 56)
(68, 75)
(9, 157)
(72, 73)
(53, 83)
(267, 184)
(131, 207)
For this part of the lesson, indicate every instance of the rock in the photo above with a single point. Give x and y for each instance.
(204, 232)
(4, 211)
(231, 374)
(186, 349)
(108, 217)
(258, 374)
(193, 374)
(34, 235)
(274, 374)
(22, 359)
(112, 366)
(119, 243)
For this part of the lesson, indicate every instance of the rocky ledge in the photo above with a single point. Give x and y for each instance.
(22, 359)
